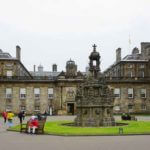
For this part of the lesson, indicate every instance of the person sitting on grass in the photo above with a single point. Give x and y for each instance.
(33, 125)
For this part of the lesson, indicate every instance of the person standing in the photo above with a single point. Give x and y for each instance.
(10, 116)
(4, 114)
(20, 116)
(23, 115)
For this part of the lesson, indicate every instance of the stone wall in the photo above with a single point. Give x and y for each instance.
(136, 102)
(58, 103)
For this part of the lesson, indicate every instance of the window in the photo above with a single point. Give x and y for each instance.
(130, 93)
(8, 108)
(143, 93)
(36, 93)
(50, 93)
(130, 74)
(143, 107)
(117, 108)
(141, 66)
(22, 93)
(8, 93)
(130, 107)
(37, 108)
(22, 108)
(117, 92)
(9, 73)
(141, 74)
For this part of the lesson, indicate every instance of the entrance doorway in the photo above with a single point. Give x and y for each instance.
(70, 108)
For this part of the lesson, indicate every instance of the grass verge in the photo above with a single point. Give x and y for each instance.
(58, 128)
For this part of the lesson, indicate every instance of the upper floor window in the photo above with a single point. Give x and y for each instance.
(130, 93)
(22, 93)
(130, 74)
(143, 93)
(37, 93)
(9, 73)
(141, 74)
(50, 93)
(8, 93)
(117, 92)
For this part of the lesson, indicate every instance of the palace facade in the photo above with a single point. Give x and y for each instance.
(130, 79)
(54, 92)
(37, 91)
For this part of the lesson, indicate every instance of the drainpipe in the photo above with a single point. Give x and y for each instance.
(61, 97)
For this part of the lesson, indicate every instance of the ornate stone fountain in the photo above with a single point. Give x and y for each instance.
(94, 99)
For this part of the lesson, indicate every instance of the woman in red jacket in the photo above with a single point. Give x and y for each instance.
(33, 124)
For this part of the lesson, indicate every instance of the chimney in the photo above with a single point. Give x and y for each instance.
(18, 52)
(54, 68)
(34, 68)
(118, 55)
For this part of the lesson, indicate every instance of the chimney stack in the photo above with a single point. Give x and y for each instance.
(118, 55)
(34, 68)
(18, 52)
(54, 68)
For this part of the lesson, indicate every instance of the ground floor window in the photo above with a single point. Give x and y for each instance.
(143, 107)
(22, 108)
(37, 108)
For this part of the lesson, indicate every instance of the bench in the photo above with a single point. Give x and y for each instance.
(39, 130)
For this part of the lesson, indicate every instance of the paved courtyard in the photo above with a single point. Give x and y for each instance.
(17, 141)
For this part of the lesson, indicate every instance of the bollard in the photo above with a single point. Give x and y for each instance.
(120, 130)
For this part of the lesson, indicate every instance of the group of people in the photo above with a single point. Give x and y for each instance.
(8, 116)
(33, 122)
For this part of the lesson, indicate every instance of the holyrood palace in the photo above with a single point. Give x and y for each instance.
(54, 92)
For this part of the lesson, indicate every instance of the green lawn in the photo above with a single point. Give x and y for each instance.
(57, 128)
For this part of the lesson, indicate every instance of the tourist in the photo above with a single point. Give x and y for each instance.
(10, 116)
(4, 114)
(20, 116)
(33, 124)
(23, 113)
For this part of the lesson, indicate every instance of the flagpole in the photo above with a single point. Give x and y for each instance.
(129, 43)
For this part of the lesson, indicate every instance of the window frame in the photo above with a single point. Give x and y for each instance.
(119, 95)
(36, 94)
(20, 94)
(142, 93)
(8, 96)
(50, 94)
(131, 97)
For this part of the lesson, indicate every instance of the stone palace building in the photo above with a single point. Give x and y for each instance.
(54, 92)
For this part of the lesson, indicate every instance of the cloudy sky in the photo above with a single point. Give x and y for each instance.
(53, 31)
